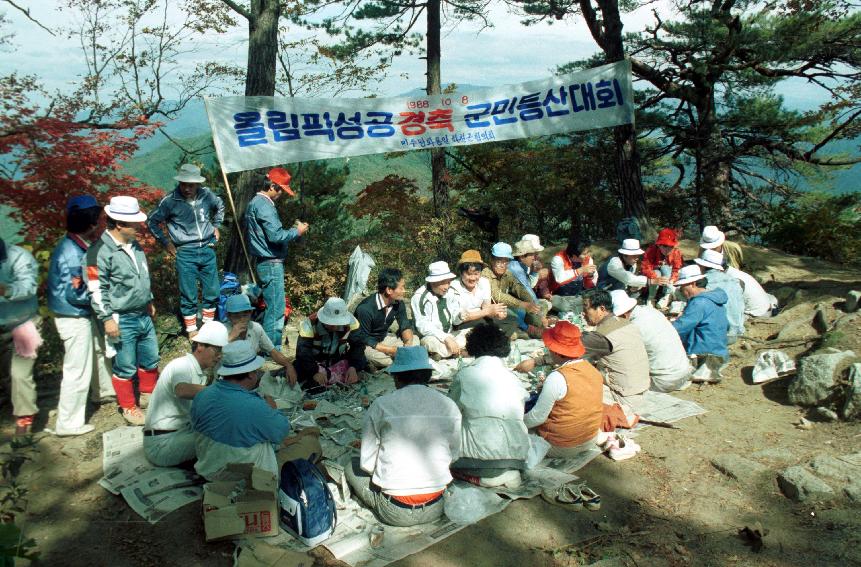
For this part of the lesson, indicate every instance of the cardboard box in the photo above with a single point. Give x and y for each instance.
(241, 501)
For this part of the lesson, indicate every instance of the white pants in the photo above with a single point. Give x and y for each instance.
(170, 449)
(84, 364)
(436, 346)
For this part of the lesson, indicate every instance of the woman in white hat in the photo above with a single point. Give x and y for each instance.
(621, 271)
(436, 312)
(325, 355)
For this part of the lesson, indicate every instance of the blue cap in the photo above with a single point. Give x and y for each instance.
(81, 202)
(411, 358)
(238, 303)
(501, 250)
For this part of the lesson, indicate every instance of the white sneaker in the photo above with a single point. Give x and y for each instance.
(86, 428)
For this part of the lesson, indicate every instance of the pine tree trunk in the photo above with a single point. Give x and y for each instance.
(259, 81)
(439, 174)
(715, 173)
(627, 158)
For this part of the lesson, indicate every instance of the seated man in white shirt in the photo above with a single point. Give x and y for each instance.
(757, 301)
(472, 292)
(409, 440)
(436, 313)
(168, 437)
(669, 365)
(621, 271)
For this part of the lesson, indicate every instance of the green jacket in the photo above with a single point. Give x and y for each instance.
(117, 284)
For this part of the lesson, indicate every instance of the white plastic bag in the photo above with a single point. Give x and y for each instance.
(538, 447)
(467, 504)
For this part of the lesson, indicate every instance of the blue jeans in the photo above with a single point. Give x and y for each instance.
(271, 276)
(196, 264)
(138, 346)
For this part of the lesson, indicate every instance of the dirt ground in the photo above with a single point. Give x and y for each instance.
(668, 506)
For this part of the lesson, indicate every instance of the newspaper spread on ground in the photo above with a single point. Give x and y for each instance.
(160, 491)
(665, 408)
(152, 492)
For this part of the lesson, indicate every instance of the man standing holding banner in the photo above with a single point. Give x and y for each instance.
(268, 242)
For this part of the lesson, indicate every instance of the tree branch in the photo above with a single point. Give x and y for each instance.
(26, 12)
(238, 9)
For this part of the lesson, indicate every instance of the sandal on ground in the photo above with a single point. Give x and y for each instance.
(567, 496)
(591, 499)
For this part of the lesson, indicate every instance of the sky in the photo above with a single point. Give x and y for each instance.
(470, 54)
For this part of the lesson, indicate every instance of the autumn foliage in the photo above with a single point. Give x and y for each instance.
(52, 155)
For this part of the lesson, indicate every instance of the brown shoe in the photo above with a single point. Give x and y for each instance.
(134, 415)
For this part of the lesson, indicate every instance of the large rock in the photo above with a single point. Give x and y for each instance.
(801, 485)
(834, 468)
(817, 377)
(738, 467)
(852, 406)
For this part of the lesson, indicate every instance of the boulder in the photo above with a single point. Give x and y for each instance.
(801, 485)
(834, 468)
(817, 376)
(852, 405)
(737, 467)
(853, 298)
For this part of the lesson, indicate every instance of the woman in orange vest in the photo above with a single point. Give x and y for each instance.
(571, 272)
(569, 408)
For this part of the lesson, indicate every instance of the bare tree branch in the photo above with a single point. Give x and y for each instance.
(26, 12)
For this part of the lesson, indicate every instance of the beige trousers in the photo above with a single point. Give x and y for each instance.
(85, 369)
(436, 346)
(20, 371)
(382, 360)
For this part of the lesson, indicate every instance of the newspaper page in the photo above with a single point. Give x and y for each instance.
(658, 406)
(160, 491)
(123, 459)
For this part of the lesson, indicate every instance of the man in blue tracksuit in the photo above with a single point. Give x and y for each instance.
(703, 324)
(267, 242)
(193, 215)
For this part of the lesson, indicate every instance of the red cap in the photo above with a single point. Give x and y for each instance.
(564, 338)
(280, 177)
(667, 237)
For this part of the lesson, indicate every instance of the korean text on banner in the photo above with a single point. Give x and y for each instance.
(253, 132)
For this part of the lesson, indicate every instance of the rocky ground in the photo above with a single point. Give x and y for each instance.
(750, 462)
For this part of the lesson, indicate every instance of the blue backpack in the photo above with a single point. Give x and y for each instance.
(307, 507)
(229, 286)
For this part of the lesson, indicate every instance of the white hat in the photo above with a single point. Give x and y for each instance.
(125, 208)
(335, 312)
(689, 274)
(529, 244)
(438, 272)
(536, 242)
(712, 237)
(239, 357)
(622, 302)
(710, 259)
(212, 333)
(631, 247)
(189, 173)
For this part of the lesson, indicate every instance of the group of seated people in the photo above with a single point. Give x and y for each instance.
(416, 439)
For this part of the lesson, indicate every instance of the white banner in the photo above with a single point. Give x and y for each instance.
(254, 132)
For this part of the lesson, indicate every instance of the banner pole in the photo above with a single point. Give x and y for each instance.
(218, 154)
(238, 227)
